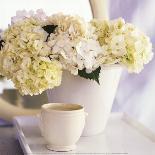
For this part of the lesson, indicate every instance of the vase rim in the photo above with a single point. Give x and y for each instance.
(112, 66)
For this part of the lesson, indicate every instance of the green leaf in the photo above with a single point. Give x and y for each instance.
(49, 29)
(1, 44)
(1, 77)
(94, 75)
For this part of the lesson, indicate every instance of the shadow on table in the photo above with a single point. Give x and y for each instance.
(9, 144)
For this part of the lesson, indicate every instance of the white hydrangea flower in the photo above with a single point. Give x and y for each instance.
(88, 50)
(63, 49)
(75, 43)
(63, 43)
(123, 43)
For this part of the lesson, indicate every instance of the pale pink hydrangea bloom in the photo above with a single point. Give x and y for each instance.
(22, 14)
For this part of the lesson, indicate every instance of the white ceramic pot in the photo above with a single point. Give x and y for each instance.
(97, 99)
(62, 125)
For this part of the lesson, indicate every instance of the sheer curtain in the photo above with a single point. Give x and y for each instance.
(135, 94)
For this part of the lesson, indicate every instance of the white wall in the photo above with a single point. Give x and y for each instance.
(8, 8)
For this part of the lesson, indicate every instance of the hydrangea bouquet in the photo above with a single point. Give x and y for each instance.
(35, 49)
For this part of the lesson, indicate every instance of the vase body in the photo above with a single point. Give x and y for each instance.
(96, 99)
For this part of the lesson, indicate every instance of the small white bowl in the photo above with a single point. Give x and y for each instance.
(62, 125)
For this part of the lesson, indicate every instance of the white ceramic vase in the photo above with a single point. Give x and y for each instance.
(97, 99)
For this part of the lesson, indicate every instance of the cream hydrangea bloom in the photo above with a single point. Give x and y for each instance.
(38, 77)
(139, 51)
(123, 43)
(74, 26)
(31, 75)
(24, 58)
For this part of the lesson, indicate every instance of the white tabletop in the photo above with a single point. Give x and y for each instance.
(119, 137)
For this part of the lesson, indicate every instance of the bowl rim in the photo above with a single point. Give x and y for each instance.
(75, 108)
